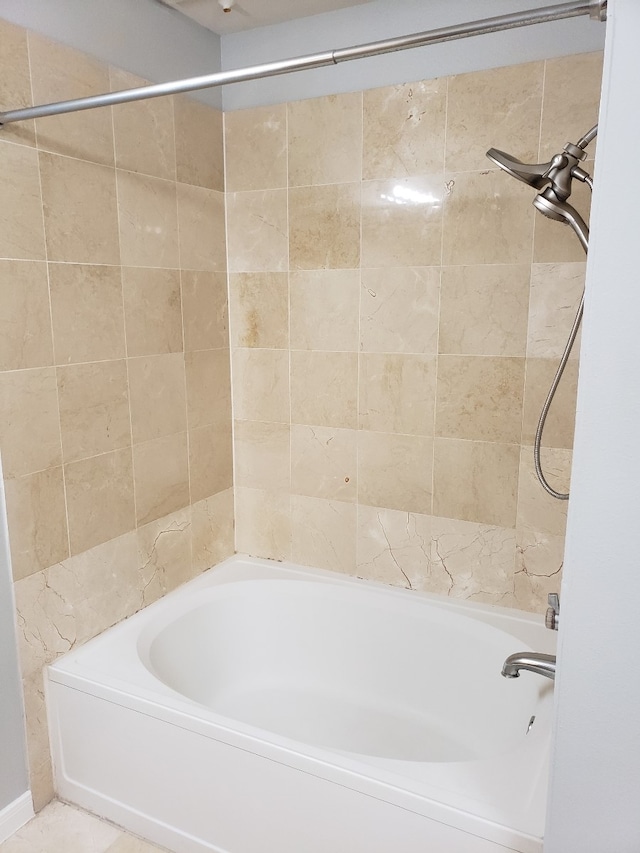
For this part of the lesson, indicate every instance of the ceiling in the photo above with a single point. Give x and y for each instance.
(249, 14)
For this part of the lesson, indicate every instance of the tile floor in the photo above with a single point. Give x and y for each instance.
(59, 828)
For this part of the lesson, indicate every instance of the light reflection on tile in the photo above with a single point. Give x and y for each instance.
(402, 222)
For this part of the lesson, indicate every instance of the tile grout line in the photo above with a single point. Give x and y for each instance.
(359, 346)
(232, 405)
(124, 326)
(53, 343)
(183, 329)
(289, 350)
(437, 348)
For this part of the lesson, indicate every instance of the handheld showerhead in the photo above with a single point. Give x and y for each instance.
(534, 175)
(553, 181)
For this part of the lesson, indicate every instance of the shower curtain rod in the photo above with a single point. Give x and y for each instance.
(596, 9)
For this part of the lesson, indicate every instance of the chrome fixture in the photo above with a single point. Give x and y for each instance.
(531, 662)
(596, 9)
(553, 180)
(552, 616)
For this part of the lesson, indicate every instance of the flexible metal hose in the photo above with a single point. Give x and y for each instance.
(547, 405)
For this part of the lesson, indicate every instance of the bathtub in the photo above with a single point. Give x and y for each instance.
(269, 708)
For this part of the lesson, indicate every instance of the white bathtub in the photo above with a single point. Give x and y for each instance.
(269, 708)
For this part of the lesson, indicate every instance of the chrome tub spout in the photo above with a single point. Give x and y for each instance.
(530, 661)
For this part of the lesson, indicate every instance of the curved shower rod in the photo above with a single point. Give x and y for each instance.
(596, 9)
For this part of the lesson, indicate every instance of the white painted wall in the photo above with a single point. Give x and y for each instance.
(387, 19)
(594, 802)
(14, 780)
(140, 36)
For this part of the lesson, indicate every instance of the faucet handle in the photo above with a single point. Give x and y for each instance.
(552, 617)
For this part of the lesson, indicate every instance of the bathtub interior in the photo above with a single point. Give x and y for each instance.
(347, 669)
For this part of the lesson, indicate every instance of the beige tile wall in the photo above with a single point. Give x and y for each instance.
(397, 313)
(115, 402)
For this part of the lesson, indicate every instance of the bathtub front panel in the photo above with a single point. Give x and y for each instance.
(193, 793)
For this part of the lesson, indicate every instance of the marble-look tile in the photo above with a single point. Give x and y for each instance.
(263, 523)
(21, 231)
(480, 398)
(259, 309)
(399, 310)
(100, 499)
(29, 425)
(160, 477)
(76, 599)
(208, 388)
(201, 228)
(478, 558)
(164, 554)
(488, 219)
(324, 462)
(80, 210)
(324, 227)
(94, 408)
(324, 310)
(484, 309)
(395, 471)
(402, 222)
(395, 548)
(199, 144)
(476, 481)
(325, 140)
(257, 231)
(87, 313)
(213, 530)
(560, 422)
(553, 243)
(38, 749)
(556, 290)
(130, 844)
(404, 129)
(256, 148)
(157, 396)
(323, 533)
(37, 519)
(144, 133)
(324, 388)
(261, 385)
(499, 108)
(397, 393)
(210, 460)
(567, 119)
(15, 86)
(148, 220)
(25, 316)
(539, 561)
(262, 455)
(204, 310)
(153, 316)
(61, 827)
(60, 73)
(538, 510)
